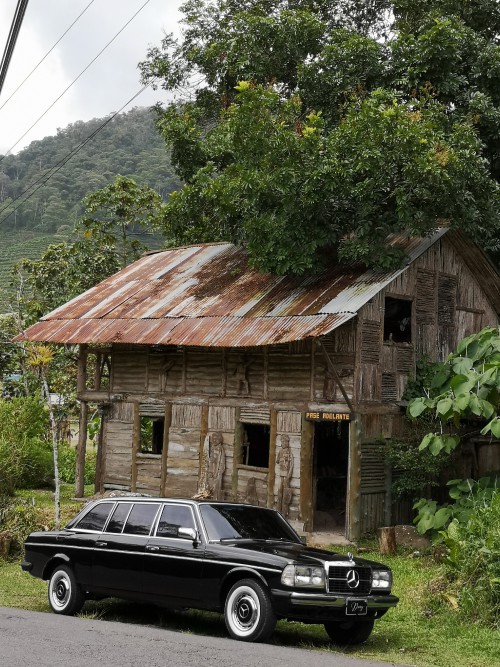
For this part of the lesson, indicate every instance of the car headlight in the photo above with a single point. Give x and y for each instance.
(303, 576)
(382, 579)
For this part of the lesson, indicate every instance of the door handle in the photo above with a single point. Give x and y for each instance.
(151, 548)
(101, 544)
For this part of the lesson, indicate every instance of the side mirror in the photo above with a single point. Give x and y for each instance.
(187, 534)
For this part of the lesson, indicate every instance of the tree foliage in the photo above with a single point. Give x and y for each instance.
(323, 126)
(465, 386)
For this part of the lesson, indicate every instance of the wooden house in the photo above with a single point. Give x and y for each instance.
(219, 381)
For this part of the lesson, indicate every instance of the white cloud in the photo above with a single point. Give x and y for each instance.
(103, 88)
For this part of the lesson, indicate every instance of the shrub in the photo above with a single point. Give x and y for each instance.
(473, 561)
(25, 450)
(67, 464)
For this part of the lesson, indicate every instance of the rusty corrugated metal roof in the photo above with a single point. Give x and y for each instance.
(208, 295)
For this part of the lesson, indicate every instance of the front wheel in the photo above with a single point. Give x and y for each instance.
(65, 595)
(349, 632)
(248, 612)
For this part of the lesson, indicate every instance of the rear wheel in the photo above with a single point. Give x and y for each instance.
(65, 595)
(248, 612)
(349, 632)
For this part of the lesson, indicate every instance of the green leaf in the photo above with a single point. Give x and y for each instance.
(440, 378)
(462, 384)
(461, 402)
(416, 407)
(495, 427)
(426, 441)
(444, 406)
(441, 517)
(486, 408)
(462, 365)
(436, 445)
(475, 405)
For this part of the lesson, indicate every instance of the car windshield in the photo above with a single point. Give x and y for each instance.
(226, 522)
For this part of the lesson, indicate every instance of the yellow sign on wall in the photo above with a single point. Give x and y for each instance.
(328, 416)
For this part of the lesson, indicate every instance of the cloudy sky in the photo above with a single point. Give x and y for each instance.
(103, 88)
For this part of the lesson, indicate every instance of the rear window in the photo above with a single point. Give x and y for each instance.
(96, 518)
(118, 517)
(140, 519)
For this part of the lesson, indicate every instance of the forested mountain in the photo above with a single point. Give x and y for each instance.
(128, 145)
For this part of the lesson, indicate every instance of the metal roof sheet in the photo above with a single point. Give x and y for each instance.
(209, 295)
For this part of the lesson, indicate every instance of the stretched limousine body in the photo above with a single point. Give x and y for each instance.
(242, 560)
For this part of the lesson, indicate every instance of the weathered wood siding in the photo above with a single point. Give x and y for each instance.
(218, 390)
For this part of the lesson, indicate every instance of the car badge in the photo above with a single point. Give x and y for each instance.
(350, 556)
(352, 579)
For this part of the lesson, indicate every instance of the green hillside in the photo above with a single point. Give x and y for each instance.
(35, 212)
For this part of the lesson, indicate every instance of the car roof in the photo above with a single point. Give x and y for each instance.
(191, 501)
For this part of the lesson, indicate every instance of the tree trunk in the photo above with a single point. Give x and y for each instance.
(387, 541)
(57, 482)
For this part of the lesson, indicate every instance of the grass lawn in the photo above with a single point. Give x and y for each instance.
(414, 633)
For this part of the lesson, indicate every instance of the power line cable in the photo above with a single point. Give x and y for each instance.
(47, 54)
(75, 80)
(12, 39)
(42, 180)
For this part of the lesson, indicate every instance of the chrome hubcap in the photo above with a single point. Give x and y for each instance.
(60, 590)
(245, 612)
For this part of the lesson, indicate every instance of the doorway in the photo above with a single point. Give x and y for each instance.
(330, 474)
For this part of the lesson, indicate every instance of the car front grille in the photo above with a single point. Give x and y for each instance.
(339, 578)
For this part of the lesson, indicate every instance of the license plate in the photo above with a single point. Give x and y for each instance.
(356, 607)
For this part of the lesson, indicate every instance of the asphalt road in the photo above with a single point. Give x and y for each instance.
(35, 639)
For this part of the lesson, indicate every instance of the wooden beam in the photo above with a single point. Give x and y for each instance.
(272, 457)
(335, 374)
(81, 378)
(101, 455)
(164, 451)
(353, 509)
(203, 435)
(136, 441)
(306, 474)
(81, 449)
(237, 452)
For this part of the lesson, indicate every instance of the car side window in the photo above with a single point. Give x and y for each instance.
(172, 518)
(96, 518)
(118, 518)
(140, 519)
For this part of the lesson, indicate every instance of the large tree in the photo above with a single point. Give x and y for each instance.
(310, 127)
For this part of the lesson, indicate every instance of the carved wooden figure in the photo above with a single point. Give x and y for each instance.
(284, 461)
(216, 465)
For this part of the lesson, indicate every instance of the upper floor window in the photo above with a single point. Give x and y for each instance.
(397, 320)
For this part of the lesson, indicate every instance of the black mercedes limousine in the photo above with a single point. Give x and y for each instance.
(242, 560)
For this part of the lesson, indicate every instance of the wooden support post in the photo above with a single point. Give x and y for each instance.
(388, 494)
(203, 435)
(136, 442)
(100, 459)
(306, 474)
(272, 458)
(353, 524)
(81, 448)
(164, 451)
(237, 452)
(387, 541)
(81, 378)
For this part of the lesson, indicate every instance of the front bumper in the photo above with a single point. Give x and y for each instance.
(320, 607)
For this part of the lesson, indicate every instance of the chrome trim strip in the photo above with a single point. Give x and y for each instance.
(160, 555)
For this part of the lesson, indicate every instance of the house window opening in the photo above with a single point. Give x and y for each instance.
(256, 445)
(397, 320)
(152, 435)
